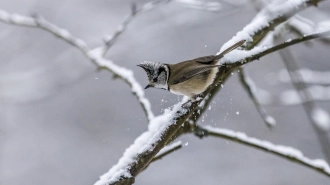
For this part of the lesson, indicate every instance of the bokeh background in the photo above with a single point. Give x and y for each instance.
(64, 122)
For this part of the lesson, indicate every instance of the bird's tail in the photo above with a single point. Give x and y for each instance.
(231, 48)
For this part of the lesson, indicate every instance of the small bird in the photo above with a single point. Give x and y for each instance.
(189, 78)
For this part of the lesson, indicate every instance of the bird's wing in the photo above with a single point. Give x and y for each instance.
(205, 60)
(194, 73)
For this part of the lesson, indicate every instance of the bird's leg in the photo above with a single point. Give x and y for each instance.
(191, 100)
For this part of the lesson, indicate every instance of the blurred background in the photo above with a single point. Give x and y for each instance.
(64, 122)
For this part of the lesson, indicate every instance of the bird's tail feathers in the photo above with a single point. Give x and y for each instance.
(231, 48)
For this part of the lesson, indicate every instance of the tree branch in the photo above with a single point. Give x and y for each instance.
(249, 86)
(94, 55)
(110, 40)
(309, 106)
(134, 160)
(279, 150)
(245, 57)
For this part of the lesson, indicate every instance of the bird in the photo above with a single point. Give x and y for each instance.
(189, 78)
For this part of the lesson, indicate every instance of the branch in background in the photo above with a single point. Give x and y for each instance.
(302, 26)
(93, 55)
(291, 97)
(200, 4)
(250, 87)
(308, 76)
(110, 40)
(318, 117)
(279, 150)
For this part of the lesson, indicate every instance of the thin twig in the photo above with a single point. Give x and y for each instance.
(279, 150)
(260, 52)
(167, 150)
(110, 40)
(249, 86)
(94, 55)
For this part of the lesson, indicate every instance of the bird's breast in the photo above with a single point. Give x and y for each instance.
(195, 85)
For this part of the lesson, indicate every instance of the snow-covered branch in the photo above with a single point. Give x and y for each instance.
(239, 58)
(94, 55)
(275, 13)
(279, 150)
(249, 86)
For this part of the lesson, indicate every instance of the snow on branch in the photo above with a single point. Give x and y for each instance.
(38, 21)
(279, 150)
(146, 146)
(239, 58)
(250, 87)
(94, 55)
(275, 13)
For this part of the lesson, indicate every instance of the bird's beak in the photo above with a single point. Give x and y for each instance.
(147, 86)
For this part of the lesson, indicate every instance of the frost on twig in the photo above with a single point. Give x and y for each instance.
(250, 87)
(279, 150)
(93, 55)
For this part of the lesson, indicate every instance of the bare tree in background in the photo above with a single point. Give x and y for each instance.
(265, 34)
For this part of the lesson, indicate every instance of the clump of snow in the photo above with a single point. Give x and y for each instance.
(321, 118)
(238, 55)
(270, 120)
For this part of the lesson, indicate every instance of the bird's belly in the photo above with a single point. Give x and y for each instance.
(195, 85)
